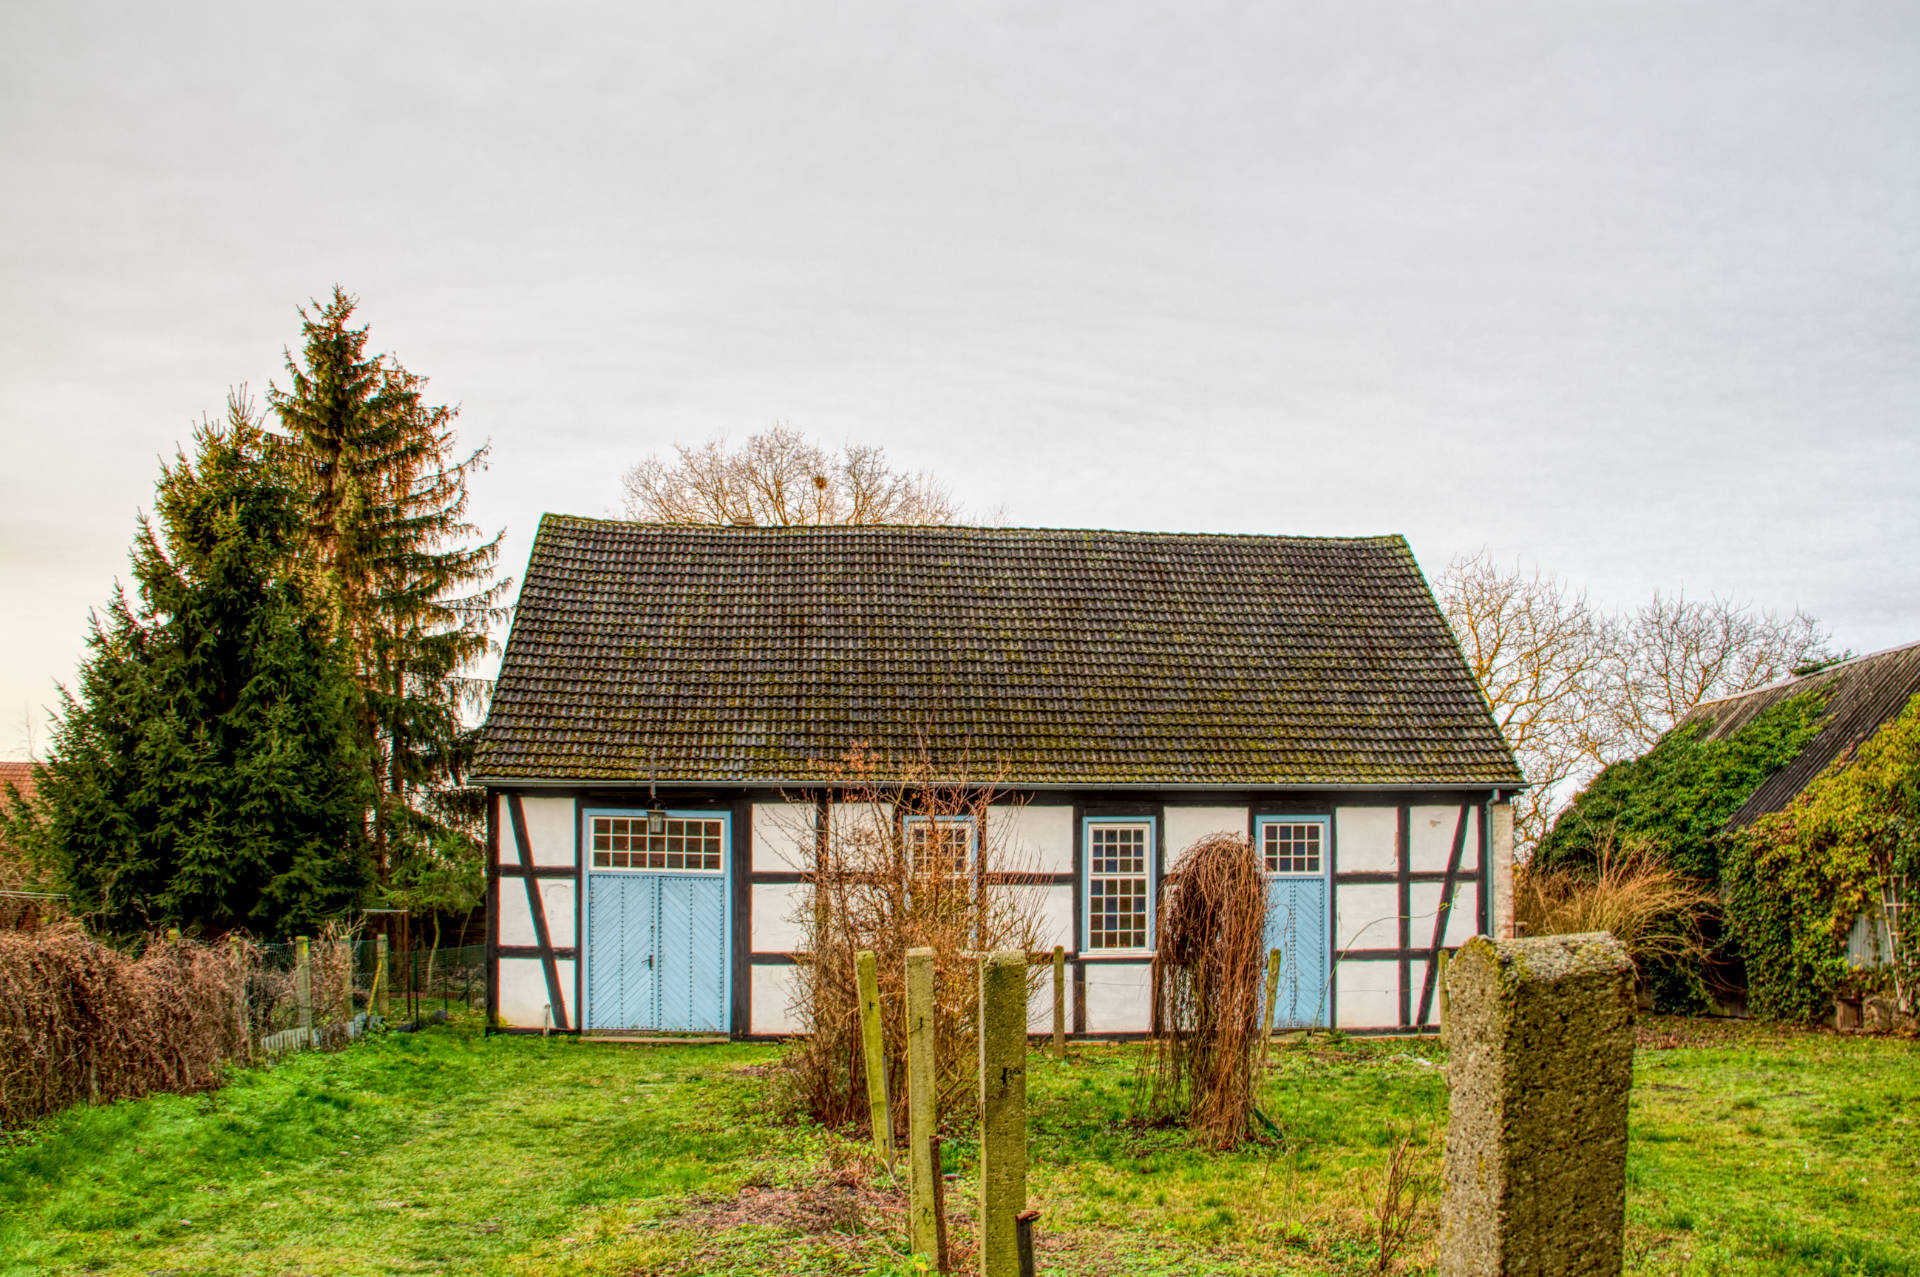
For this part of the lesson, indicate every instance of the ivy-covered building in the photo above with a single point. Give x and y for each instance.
(663, 757)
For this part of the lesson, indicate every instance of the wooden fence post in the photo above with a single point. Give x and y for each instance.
(866, 967)
(1273, 995)
(237, 951)
(303, 987)
(1060, 1002)
(1003, 1110)
(380, 976)
(1440, 977)
(923, 1136)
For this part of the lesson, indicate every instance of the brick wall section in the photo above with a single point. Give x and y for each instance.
(1542, 1059)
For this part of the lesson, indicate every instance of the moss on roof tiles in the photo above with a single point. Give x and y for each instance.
(1055, 656)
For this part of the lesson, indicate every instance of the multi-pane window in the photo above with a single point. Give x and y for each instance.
(1292, 846)
(941, 844)
(1118, 902)
(689, 843)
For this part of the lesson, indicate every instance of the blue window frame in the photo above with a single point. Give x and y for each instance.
(1119, 885)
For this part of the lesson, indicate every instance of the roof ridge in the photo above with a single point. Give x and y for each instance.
(1825, 671)
(719, 529)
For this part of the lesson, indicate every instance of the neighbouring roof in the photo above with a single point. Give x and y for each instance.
(1861, 695)
(1035, 656)
(21, 776)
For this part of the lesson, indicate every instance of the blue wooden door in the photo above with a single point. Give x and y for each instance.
(1294, 852)
(1297, 927)
(656, 938)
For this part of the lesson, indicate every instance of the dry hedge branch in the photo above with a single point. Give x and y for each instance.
(894, 872)
(82, 1022)
(1207, 976)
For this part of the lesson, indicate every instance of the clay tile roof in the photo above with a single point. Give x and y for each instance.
(21, 776)
(1861, 696)
(758, 655)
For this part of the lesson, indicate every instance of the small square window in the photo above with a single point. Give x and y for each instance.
(1292, 847)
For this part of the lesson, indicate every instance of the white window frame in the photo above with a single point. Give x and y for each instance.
(1322, 824)
(640, 817)
(909, 823)
(1148, 826)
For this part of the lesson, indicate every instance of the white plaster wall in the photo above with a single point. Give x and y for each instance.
(783, 837)
(1031, 838)
(1054, 906)
(778, 917)
(1462, 923)
(1432, 835)
(1366, 916)
(516, 921)
(1368, 995)
(858, 820)
(503, 822)
(522, 993)
(770, 1006)
(1040, 999)
(1119, 997)
(550, 830)
(1366, 837)
(1186, 826)
(557, 899)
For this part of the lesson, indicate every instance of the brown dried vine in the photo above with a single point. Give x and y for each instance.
(1207, 975)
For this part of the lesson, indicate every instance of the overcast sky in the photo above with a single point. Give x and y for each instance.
(1631, 291)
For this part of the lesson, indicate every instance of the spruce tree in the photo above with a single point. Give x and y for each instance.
(406, 582)
(205, 772)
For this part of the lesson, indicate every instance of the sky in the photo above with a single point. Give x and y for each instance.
(1627, 291)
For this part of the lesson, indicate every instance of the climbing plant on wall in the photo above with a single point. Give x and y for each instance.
(1795, 880)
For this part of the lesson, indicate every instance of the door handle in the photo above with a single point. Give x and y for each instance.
(649, 962)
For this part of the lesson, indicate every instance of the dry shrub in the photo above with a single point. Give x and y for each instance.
(1404, 1188)
(1207, 975)
(82, 1022)
(1629, 891)
(895, 871)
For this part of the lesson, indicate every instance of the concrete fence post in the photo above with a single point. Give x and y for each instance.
(1060, 1002)
(303, 987)
(922, 1114)
(1003, 1110)
(379, 1007)
(1542, 1059)
(866, 969)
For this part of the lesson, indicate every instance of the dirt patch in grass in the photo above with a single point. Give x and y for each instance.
(817, 1209)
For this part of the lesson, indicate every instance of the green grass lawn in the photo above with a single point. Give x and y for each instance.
(1752, 1152)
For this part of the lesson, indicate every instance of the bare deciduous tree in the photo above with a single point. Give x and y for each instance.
(1574, 688)
(1676, 653)
(1539, 651)
(780, 478)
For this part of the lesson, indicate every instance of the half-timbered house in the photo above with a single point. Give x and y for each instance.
(661, 745)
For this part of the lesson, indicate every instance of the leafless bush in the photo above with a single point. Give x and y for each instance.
(908, 860)
(1207, 975)
(82, 1022)
(1402, 1190)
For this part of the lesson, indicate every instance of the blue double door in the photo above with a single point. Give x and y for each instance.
(656, 952)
